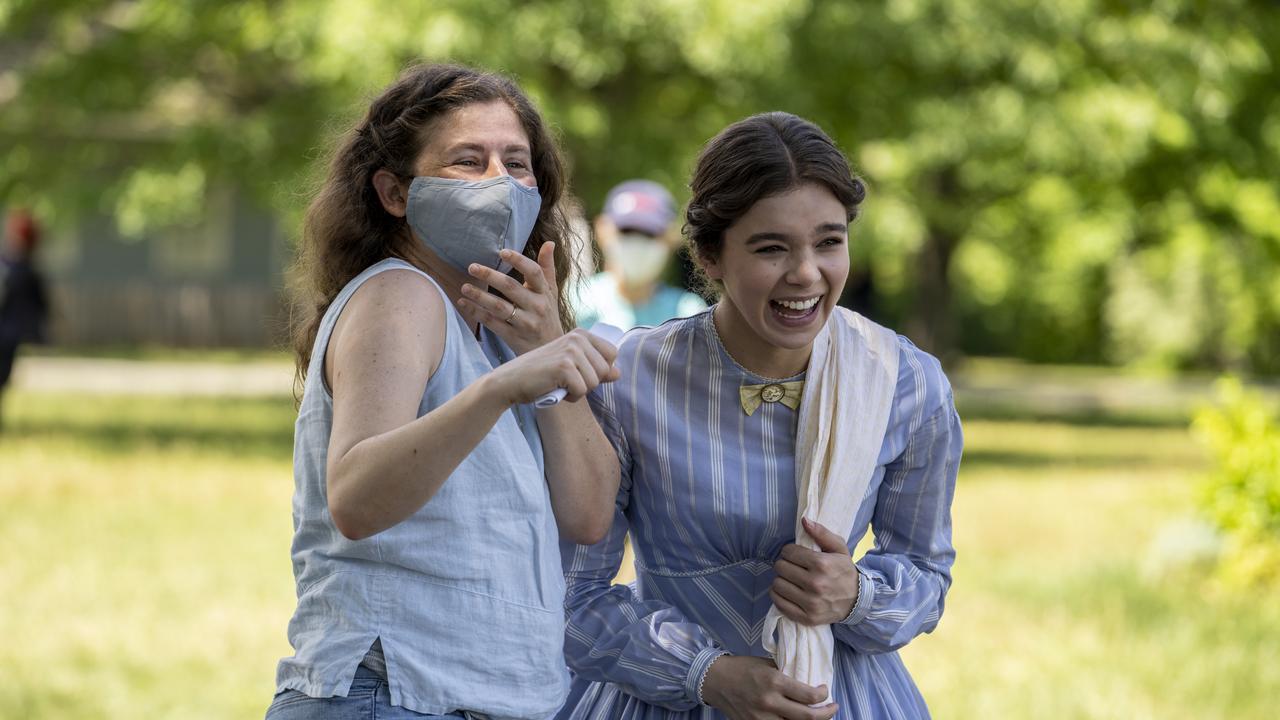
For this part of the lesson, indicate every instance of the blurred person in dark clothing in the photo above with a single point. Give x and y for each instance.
(24, 305)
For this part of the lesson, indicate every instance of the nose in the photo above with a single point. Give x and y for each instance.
(495, 167)
(804, 270)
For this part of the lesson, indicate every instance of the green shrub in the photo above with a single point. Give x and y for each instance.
(1241, 495)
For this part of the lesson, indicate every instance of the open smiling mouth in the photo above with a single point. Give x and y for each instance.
(795, 311)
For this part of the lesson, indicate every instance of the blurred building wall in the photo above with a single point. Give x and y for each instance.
(219, 284)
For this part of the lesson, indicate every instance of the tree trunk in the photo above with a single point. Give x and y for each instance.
(932, 325)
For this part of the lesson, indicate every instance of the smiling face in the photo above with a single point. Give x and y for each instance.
(477, 142)
(783, 266)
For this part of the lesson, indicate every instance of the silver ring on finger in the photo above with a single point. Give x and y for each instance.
(512, 316)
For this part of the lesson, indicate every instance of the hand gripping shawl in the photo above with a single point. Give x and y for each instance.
(848, 393)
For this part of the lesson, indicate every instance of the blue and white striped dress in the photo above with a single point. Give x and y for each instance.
(708, 495)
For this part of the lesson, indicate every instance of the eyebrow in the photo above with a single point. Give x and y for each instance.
(782, 237)
(476, 147)
(766, 236)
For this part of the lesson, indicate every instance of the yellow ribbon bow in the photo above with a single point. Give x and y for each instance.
(787, 393)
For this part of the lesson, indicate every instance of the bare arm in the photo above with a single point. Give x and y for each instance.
(581, 467)
(385, 462)
(582, 471)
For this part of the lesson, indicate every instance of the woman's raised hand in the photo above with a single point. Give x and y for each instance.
(529, 317)
(577, 362)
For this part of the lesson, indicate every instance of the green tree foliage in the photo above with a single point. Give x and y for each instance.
(1073, 181)
(1242, 493)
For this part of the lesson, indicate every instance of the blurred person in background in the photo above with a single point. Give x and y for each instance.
(24, 303)
(430, 495)
(723, 422)
(637, 240)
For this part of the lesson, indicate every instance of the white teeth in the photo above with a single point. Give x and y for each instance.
(799, 305)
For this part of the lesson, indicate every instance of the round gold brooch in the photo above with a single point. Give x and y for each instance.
(772, 393)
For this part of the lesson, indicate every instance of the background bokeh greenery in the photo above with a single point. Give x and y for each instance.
(1241, 495)
(1083, 181)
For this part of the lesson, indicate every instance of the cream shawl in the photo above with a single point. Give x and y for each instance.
(844, 413)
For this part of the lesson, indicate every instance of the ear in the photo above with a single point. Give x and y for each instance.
(710, 266)
(391, 192)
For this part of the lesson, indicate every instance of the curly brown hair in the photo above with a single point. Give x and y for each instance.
(346, 228)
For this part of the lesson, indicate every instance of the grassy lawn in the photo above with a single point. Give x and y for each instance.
(146, 569)
(1050, 615)
(163, 353)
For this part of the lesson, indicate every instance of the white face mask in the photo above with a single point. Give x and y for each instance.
(640, 258)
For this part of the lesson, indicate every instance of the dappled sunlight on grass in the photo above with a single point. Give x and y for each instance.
(1048, 445)
(126, 425)
(148, 574)
(149, 580)
(1050, 615)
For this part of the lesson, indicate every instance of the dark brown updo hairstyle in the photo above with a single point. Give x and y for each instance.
(346, 229)
(763, 155)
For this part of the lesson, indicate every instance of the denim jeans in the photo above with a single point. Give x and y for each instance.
(368, 699)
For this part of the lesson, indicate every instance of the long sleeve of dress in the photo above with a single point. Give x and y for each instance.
(904, 579)
(647, 648)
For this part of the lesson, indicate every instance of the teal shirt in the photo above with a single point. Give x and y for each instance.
(601, 301)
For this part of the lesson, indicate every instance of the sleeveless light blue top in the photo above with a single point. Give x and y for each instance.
(466, 594)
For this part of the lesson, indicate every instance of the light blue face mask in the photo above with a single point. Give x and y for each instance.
(468, 222)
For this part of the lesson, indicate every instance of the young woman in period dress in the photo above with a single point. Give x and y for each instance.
(705, 422)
